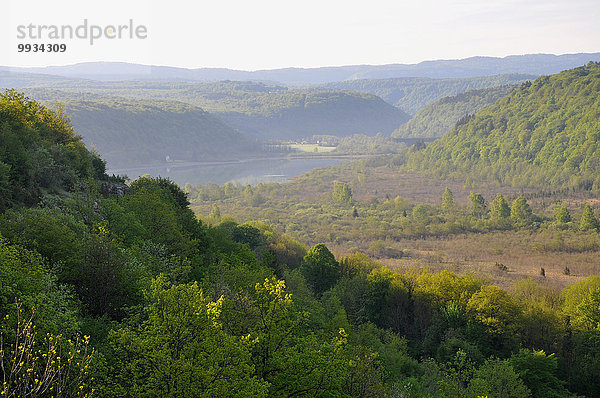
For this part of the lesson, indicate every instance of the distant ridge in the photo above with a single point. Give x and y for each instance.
(537, 64)
(545, 133)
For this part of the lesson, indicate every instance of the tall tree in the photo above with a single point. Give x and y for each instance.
(320, 269)
(499, 208)
(478, 207)
(448, 201)
(588, 220)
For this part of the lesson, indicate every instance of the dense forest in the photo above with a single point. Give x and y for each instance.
(441, 116)
(259, 110)
(115, 288)
(543, 134)
(135, 131)
(411, 94)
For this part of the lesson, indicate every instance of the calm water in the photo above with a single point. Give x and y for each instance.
(244, 172)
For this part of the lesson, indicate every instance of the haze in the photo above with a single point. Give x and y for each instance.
(268, 34)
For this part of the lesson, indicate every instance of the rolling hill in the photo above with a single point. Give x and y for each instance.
(263, 111)
(544, 134)
(133, 131)
(412, 94)
(440, 117)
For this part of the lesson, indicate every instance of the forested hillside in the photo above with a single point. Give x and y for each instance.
(306, 114)
(118, 290)
(263, 111)
(441, 116)
(133, 131)
(411, 94)
(546, 133)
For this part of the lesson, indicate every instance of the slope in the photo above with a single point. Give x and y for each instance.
(412, 94)
(266, 111)
(133, 131)
(440, 117)
(544, 134)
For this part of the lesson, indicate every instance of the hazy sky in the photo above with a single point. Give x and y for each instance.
(266, 34)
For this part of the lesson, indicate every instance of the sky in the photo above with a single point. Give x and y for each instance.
(269, 34)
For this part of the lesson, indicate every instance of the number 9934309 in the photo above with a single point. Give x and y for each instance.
(41, 48)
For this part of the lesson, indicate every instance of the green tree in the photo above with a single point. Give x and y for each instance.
(320, 269)
(499, 208)
(448, 203)
(342, 194)
(5, 193)
(562, 215)
(180, 349)
(162, 209)
(588, 220)
(520, 210)
(26, 278)
(538, 372)
(420, 214)
(294, 363)
(215, 213)
(583, 365)
(496, 378)
(499, 313)
(578, 303)
(477, 205)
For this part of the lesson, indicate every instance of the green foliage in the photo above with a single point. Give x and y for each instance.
(362, 144)
(414, 93)
(577, 294)
(39, 152)
(497, 379)
(36, 366)
(583, 364)
(25, 277)
(106, 280)
(562, 215)
(478, 207)
(56, 236)
(420, 214)
(448, 203)
(180, 349)
(294, 363)
(538, 372)
(342, 194)
(162, 210)
(588, 219)
(499, 209)
(499, 313)
(520, 211)
(543, 133)
(320, 269)
(438, 118)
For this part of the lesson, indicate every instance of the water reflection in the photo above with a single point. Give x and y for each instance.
(250, 171)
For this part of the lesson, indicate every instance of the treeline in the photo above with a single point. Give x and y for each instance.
(264, 111)
(411, 94)
(441, 116)
(376, 145)
(131, 132)
(336, 216)
(544, 133)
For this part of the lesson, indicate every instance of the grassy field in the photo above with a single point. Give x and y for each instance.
(312, 148)
(303, 209)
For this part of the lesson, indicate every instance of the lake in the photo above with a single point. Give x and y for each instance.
(248, 171)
